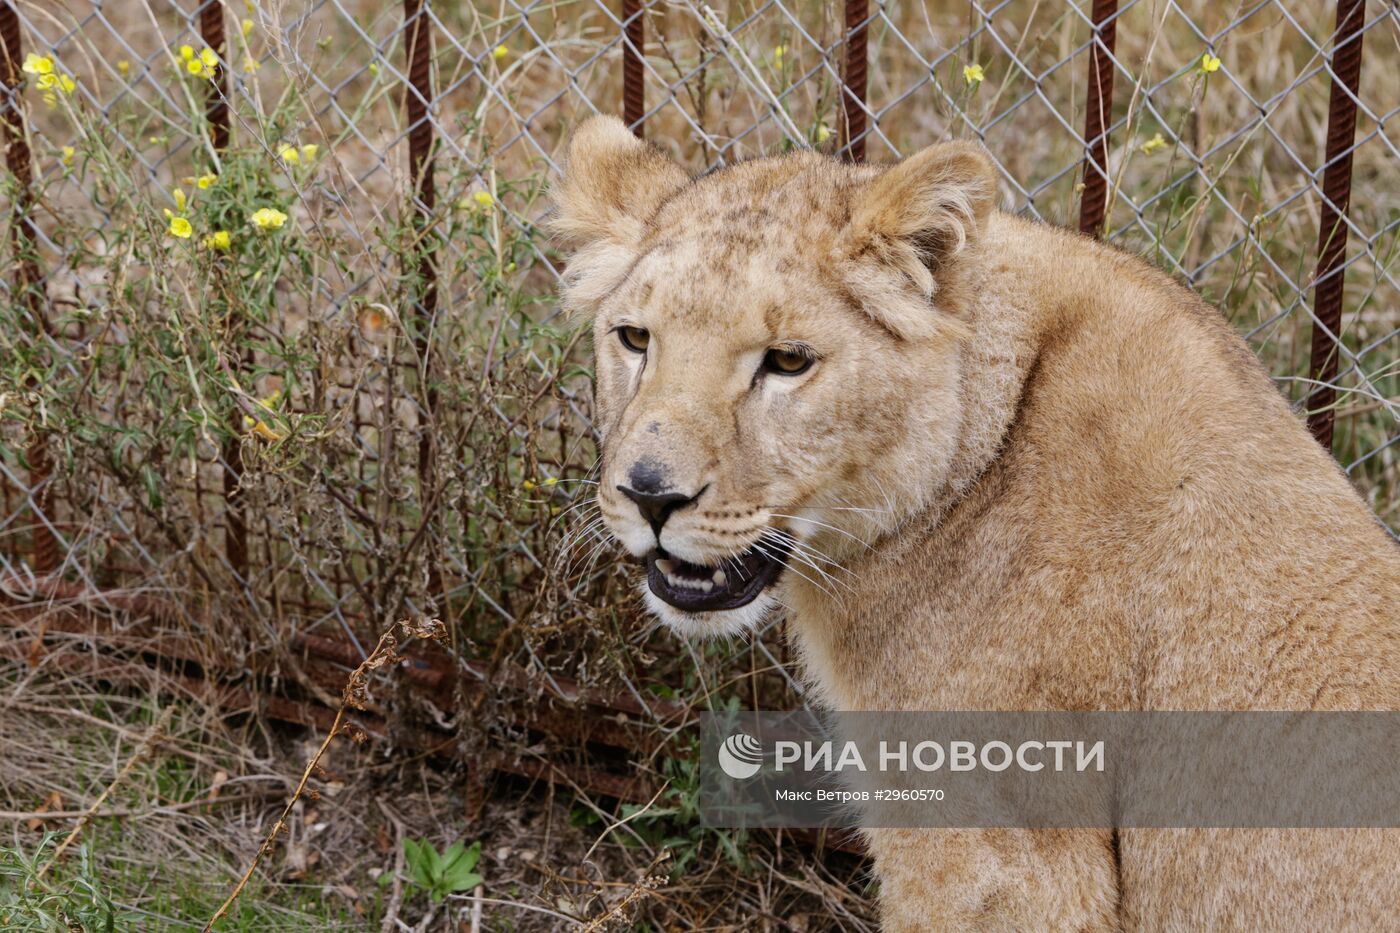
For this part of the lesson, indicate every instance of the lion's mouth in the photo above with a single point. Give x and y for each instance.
(733, 583)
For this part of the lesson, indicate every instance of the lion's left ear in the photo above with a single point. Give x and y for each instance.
(914, 219)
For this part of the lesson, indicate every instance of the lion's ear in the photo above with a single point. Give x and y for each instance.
(613, 182)
(914, 218)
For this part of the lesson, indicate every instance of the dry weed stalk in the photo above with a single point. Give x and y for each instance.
(356, 695)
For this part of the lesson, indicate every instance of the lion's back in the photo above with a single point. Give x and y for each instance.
(1164, 457)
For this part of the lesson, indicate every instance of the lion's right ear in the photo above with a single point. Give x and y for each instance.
(613, 183)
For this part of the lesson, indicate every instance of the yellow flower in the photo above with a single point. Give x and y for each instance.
(204, 181)
(180, 201)
(250, 64)
(500, 52)
(1209, 64)
(37, 64)
(552, 481)
(203, 65)
(258, 426)
(373, 70)
(308, 152)
(268, 218)
(778, 52)
(50, 81)
(483, 199)
(219, 239)
(247, 26)
(1152, 145)
(180, 227)
(63, 82)
(261, 429)
(528, 485)
(123, 67)
(973, 74)
(68, 152)
(289, 155)
(823, 132)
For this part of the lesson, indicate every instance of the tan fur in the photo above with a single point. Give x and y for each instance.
(1037, 473)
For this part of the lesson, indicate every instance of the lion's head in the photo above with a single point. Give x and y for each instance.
(777, 352)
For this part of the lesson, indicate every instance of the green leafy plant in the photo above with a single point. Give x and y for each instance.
(440, 874)
(67, 900)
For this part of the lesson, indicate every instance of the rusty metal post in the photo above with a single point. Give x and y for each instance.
(211, 30)
(418, 106)
(417, 103)
(851, 132)
(1332, 229)
(26, 283)
(634, 99)
(1098, 114)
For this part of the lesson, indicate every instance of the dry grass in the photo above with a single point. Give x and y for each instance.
(160, 350)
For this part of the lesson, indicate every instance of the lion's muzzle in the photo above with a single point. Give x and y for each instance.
(734, 582)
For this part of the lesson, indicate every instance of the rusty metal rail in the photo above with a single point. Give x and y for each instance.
(139, 653)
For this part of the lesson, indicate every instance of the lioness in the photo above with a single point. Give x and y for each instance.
(983, 463)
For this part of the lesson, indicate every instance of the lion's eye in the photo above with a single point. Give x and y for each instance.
(634, 338)
(786, 362)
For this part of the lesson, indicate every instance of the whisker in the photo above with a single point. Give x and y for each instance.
(807, 550)
(759, 546)
(579, 505)
(813, 521)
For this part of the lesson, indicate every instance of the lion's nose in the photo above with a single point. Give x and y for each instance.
(656, 507)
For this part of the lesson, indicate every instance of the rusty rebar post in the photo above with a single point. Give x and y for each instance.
(1332, 228)
(211, 30)
(634, 97)
(216, 115)
(1093, 205)
(45, 542)
(417, 105)
(851, 132)
(418, 101)
(26, 282)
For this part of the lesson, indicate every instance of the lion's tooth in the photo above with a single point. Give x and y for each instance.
(706, 586)
(719, 578)
(665, 566)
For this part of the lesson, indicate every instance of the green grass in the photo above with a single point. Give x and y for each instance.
(98, 889)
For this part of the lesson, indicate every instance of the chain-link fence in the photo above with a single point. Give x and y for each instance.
(281, 354)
